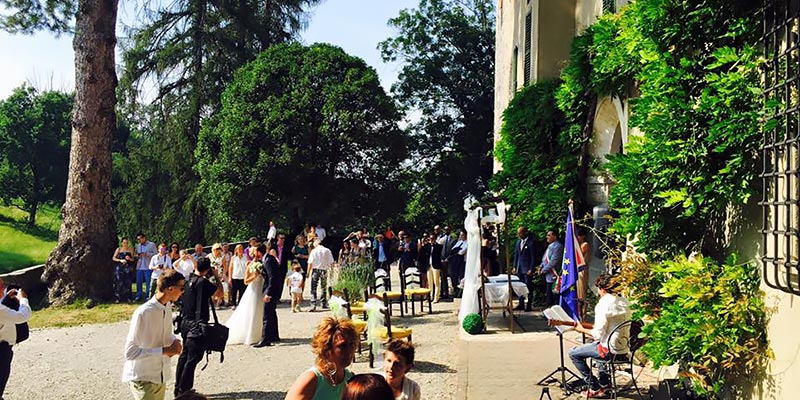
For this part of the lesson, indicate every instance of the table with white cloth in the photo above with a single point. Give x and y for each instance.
(495, 291)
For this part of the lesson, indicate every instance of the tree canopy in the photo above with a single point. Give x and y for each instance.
(189, 49)
(447, 80)
(34, 147)
(305, 133)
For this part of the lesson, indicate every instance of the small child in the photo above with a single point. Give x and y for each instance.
(295, 282)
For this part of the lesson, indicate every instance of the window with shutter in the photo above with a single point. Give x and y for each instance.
(528, 37)
(609, 6)
(514, 69)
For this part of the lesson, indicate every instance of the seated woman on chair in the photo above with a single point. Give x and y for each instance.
(611, 310)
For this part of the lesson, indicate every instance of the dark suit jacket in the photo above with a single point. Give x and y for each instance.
(286, 255)
(272, 281)
(447, 246)
(425, 256)
(407, 258)
(524, 258)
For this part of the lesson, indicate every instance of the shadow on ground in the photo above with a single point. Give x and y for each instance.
(294, 341)
(250, 395)
(529, 321)
(430, 367)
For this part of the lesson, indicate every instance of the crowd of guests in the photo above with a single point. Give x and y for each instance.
(194, 280)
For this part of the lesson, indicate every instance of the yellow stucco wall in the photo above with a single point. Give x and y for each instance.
(783, 375)
(556, 30)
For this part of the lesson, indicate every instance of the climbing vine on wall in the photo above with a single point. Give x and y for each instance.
(691, 78)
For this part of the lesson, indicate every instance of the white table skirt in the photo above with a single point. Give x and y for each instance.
(497, 293)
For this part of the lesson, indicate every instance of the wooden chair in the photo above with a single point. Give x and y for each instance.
(387, 332)
(358, 323)
(412, 276)
(394, 297)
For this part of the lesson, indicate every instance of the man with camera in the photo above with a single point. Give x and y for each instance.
(198, 291)
(151, 342)
(9, 318)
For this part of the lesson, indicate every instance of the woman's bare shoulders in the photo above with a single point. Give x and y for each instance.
(304, 387)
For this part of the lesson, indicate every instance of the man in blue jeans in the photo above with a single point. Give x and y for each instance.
(611, 311)
(145, 250)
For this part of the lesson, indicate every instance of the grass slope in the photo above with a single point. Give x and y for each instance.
(21, 245)
(78, 314)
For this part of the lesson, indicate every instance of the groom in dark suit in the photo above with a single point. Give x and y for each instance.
(524, 265)
(272, 290)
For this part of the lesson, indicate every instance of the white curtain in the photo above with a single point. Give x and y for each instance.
(472, 269)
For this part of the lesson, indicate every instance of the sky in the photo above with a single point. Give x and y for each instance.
(47, 62)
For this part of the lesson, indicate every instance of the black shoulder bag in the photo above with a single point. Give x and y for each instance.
(213, 335)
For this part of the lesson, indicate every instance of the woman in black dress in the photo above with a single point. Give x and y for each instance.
(123, 271)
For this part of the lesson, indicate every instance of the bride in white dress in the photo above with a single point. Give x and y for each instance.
(245, 324)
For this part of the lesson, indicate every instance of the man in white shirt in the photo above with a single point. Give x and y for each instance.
(320, 232)
(9, 318)
(151, 343)
(611, 311)
(145, 250)
(319, 262)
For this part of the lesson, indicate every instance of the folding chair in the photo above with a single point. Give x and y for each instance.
(627, 331)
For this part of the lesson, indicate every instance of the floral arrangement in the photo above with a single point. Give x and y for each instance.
(255, 266)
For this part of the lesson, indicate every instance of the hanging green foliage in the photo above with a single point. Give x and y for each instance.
(708, 317)
(692, 83)
(539, 162)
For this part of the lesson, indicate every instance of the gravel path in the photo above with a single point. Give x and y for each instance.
(86, 362)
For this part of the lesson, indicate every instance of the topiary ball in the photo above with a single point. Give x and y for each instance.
(473, 324)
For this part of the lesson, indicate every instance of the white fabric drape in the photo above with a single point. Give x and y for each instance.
(472, 268)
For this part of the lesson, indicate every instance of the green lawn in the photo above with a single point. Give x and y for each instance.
(22, 246)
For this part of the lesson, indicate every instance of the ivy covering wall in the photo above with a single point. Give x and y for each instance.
(538, 159)
(694, 74)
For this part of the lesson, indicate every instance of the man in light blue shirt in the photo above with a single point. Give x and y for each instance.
(145, 250)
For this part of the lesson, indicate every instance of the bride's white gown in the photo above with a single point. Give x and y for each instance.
(245, 324)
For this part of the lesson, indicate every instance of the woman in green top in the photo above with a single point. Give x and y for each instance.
(334, 344)
(300, 252)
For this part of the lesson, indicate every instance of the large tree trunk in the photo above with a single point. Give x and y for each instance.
(80, 265)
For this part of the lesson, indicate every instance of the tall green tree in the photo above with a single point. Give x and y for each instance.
(34, 147)
(78, 266)
(447, 79)
(189, 50)
(304, 134)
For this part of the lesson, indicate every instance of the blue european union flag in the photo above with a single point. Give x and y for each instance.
(573, 259)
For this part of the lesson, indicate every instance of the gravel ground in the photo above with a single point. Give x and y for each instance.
(86, 362)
